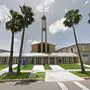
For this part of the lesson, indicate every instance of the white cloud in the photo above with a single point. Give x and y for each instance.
(57, 26)
(33, 41)
(86, 2)
(29, 41)
(45, 4)
(74, 1)
(48, 2)
(16, 40)
(4, 13)
(65, 10)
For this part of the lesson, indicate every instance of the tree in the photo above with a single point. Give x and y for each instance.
(27, 20)
(14, 26)
(89, 18)
(73, 17)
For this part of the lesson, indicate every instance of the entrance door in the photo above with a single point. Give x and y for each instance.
(39, 61)
(45, 60)
(52, 61)
(59, 61)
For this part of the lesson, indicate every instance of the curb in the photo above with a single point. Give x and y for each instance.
(22, 80)
(86, 78)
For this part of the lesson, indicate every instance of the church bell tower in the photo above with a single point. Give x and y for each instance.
(43, 34)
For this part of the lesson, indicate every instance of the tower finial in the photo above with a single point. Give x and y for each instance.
(43, 10)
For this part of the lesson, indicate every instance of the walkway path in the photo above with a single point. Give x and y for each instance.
(76, 70)
(59, 74)
(6, 69)
(38, 68)
(85, 65)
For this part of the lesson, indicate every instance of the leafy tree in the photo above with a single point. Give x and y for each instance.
(89, 18)
(14, 26)
(73, 17)
(27, 20)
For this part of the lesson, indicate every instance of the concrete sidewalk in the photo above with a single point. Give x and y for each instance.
(6, 69)
(38, 68)
(59, 74)
(85, 65)
(74, 70)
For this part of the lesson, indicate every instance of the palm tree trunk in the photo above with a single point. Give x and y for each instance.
(11, 55)
(82, 66)
(20, 52)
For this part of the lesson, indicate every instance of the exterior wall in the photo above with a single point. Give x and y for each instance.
(50, 48)
(84, 50)
(34, 48)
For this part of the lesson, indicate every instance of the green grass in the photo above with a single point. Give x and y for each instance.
(71, 66)
(47, 67)
(27, 67)
(2, 66)
(22, 76)
(78, 73)
(40, 75)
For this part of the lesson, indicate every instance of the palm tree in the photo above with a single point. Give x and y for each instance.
(89, 18)
(14, 26)
(73, 17)
(27, 20)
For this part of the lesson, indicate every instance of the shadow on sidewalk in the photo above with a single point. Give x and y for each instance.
(25, 82)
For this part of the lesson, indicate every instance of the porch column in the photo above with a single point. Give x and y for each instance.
(35, 60)
(42, 60)
(48, 60)
(72, 60)
(55, 61)
(0, 59)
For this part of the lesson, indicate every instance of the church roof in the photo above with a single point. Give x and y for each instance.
(40, 55)
(63, 54)
(37, 42)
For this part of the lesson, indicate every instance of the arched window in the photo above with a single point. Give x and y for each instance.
(71, 49)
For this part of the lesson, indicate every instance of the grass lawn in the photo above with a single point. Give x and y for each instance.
(22, 76)
(27, 67)
(72, 66)
(78, 73)
(2, 66)
(40, 75)
(7, 76)
(47, 67)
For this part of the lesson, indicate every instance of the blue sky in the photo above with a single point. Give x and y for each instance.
(55, 11)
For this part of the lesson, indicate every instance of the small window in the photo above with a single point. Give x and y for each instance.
(71, 49)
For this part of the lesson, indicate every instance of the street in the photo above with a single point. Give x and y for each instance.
(39, 85)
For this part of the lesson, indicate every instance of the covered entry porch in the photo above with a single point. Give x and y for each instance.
(42, 58)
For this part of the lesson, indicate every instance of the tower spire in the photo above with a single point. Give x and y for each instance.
(44, 33)
(43, 10)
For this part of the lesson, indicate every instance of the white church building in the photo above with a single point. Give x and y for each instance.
(42, 52)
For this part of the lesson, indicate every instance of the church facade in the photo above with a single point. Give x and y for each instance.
(42, 52)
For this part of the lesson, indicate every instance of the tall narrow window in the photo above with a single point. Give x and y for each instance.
(39, 48)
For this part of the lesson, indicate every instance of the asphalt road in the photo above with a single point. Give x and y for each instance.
(28, 85)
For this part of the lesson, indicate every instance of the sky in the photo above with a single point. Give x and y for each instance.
(58, 34)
